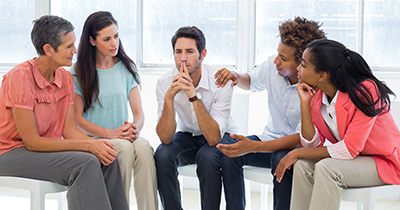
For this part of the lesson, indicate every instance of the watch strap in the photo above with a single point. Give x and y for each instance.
(194, 98)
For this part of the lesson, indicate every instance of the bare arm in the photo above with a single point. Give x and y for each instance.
(208, 126)
(135, 102)
(306, 93)
(224, 75)
(245, 145)
(291, 158)
(166, 125)
(74, 140)
(92, 129)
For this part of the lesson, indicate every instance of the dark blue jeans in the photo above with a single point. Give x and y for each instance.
(232, 176)
(186, 149)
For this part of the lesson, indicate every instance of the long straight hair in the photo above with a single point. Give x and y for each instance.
(348, 70)
(85, 67)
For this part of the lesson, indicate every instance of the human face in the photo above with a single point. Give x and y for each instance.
(285, 62)
(186, 51)
(106, 41)
(65, 51)
(306, 70)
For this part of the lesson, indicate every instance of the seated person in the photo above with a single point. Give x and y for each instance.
(203, 120)
(342, 102)
(277, 75)
(38, 135)
(104, 83)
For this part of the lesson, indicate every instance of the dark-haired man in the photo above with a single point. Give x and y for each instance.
(203, 120)
(277, 75)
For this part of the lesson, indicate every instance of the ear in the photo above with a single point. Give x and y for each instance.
(92, 41)
(48, 50)
(203, 54)
(323, 76)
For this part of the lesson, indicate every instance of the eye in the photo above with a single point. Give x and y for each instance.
(302, 65)
(116, 36)
(284, 58)
(106, 39)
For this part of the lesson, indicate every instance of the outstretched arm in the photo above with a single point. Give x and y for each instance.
(245, 145)
(224, 75)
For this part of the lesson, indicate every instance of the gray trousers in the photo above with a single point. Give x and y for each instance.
(91, 185)
(317, 184)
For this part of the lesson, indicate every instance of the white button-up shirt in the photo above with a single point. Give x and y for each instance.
(217, 102)
(283, 101)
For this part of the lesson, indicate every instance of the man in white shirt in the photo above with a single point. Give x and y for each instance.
(278, 76)
(203, 120)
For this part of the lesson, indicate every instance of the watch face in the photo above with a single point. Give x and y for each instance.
(198, 95)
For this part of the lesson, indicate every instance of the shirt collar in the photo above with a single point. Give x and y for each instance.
(288, 82)
(40, 80)
(325, 99)
(204, 82)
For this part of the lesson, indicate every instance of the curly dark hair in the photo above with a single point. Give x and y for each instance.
(298, 33)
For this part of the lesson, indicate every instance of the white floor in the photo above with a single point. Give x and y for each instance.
(15, 199)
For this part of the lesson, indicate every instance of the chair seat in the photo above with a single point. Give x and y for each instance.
(38, 189)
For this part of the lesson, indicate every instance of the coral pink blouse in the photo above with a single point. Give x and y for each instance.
(24, 87)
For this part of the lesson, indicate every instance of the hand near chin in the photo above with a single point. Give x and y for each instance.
(305, 91)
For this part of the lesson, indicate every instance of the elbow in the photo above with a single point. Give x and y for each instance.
(165, 140)
(213, 141)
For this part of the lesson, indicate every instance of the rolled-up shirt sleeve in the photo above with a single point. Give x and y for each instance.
(221, 109)
(315, 142)
(339, 151)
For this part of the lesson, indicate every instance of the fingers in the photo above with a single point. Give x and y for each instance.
(238, 137)
(184, 68)
(228, 149)
(105, 151)
(223, 76)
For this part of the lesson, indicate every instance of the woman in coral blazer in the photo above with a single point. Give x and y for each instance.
(342, 102)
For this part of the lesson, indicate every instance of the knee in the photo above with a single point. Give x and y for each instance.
(142, 148)
(164, 154)
(208, 155)
(227, 162)
(277, 157)
(327, 168)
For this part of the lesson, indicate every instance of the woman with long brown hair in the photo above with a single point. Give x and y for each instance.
(105, 81)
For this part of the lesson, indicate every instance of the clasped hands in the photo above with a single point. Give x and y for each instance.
(182, 81)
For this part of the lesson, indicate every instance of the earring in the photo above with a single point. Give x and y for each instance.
(319, 80)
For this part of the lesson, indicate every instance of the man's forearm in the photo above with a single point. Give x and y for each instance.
(166, 126)
(283, 143)
(208, 126)
(243, 80)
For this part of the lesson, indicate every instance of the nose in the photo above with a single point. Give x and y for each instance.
(298, 68)
(114, 42)
(276, 59)
(74, 51)
(184, 57)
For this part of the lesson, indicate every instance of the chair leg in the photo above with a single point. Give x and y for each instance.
(247, 188)
(37, 200)
(61, 201)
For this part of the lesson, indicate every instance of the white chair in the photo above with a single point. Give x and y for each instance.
(365, 197)
(259, 175)
(38, 189)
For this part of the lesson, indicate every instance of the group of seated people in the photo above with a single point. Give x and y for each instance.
(71, 127)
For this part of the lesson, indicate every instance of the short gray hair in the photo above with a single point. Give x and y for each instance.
(49, 29)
